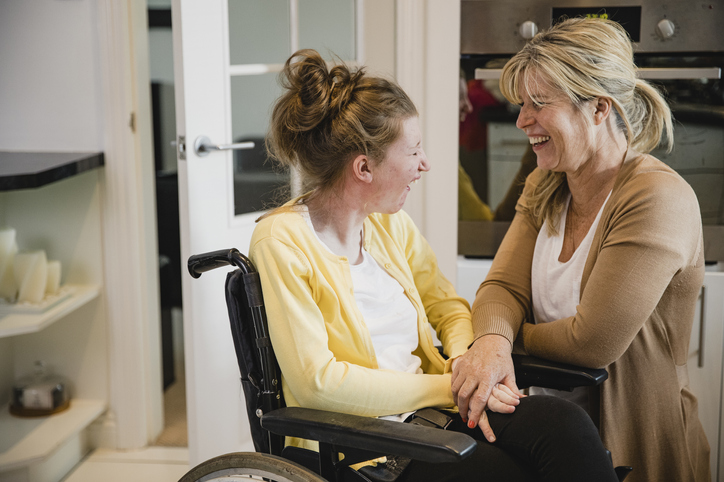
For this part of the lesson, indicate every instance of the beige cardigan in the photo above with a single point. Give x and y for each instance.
(638, 294)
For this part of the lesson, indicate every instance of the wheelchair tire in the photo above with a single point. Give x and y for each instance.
(234, 466)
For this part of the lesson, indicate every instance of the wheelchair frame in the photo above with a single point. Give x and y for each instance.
(351, 435)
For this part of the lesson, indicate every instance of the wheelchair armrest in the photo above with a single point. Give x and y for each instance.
(531, 371)
(356, 432)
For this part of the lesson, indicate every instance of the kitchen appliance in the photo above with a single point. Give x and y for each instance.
(678, 46)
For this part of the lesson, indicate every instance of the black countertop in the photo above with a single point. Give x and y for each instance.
(28, 170)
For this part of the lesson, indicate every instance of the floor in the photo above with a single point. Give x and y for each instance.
(152, 464)
(166, 461)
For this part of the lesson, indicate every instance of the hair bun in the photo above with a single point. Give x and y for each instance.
(309, 84)
(343, 84)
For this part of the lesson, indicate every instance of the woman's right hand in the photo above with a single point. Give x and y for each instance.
(475, 375)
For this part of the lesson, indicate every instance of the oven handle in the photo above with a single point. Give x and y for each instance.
(680, 73)
(643, 73)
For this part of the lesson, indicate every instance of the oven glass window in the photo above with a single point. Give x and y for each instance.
(495, 156)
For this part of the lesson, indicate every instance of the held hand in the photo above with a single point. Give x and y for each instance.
(475, 374)
(503, 399)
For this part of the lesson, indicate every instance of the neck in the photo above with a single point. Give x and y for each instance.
(338, 219)
(591, 183)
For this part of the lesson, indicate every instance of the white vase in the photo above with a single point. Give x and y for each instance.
(8, 250)
(31, 274)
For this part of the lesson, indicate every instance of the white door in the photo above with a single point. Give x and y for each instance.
(227, 54)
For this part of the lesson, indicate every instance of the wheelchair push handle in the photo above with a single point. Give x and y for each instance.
(201, 263)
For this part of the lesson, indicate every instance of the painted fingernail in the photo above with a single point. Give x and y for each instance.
(471, 424)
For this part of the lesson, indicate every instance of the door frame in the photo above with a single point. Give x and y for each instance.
(135, 414)
(426, 65)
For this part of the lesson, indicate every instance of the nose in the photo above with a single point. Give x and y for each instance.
(424, 162)
(525, 118)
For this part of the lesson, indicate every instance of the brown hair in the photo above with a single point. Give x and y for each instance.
(326, 117)
(587, 59)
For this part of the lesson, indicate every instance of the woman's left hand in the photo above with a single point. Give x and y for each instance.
(503, 399)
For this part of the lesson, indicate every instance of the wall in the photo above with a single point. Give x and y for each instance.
(51, 97)
(49, 88)
(68, 83)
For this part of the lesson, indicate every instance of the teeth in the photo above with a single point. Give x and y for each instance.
(415, 181)
(538, 140)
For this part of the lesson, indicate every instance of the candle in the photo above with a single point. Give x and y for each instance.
(53, 284)
(8, 249)
(31, 274)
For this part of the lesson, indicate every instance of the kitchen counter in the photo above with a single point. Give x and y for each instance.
(28, 170)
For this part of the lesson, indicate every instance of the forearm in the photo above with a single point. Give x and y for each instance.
(368, 392)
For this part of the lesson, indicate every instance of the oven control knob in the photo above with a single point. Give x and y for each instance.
(528, 29)
(665, 28)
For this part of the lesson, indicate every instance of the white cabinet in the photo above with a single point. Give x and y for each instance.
(64, 219)
(705, 361)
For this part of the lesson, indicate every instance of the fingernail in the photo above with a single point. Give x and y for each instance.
(465, 420)
(491, 439)
(471, 424)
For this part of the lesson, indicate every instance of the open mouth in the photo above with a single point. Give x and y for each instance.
(538, 141)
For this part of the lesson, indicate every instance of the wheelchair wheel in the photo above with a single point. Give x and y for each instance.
(250, 465)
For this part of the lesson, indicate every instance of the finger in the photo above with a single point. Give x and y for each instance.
(464, 397)
(485, 427)
(504, 395)
(497, 405)
(477, 404)
(505, 389)
(509, 382)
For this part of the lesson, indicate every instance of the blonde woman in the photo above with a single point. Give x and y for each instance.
(351, 288)
(603, 261)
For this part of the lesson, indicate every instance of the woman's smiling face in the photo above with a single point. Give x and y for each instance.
(558, 131)
(404, 163)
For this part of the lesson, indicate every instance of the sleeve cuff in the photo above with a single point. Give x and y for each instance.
(493, 319)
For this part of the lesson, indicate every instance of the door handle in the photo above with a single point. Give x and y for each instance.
(203, 145)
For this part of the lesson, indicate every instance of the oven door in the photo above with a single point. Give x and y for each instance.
(494, 154)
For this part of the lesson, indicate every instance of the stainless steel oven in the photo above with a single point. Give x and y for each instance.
(678, 45)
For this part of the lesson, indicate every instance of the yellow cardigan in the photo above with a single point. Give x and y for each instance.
(319, 336)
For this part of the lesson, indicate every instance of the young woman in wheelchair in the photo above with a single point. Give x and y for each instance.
(352, 288)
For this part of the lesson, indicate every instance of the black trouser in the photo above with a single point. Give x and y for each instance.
(546, 438)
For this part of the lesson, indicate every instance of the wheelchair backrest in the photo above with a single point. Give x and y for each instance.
(260, 374)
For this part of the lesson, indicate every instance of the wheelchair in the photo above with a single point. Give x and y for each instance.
(358, 438)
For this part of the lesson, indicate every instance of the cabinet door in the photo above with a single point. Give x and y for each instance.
(705, 359)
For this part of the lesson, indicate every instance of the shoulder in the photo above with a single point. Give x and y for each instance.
(648, 181)
(398, 223)
(283, 234)
(283, 225)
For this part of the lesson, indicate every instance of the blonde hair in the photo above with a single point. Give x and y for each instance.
(587, 59)
(326, 117)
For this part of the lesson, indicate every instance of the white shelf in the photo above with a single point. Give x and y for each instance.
(22, 323)
(25, 441)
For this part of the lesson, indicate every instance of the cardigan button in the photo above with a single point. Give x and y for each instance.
(388, 266)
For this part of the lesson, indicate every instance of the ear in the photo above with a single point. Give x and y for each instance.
(361, 168)
(602, 110)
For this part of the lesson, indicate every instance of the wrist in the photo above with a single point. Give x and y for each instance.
(493, 341)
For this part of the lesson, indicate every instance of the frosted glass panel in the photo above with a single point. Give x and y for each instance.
(257, 184)
(259, 31)
(328, 26)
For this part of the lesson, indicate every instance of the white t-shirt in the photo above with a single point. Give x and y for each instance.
(556, 286)
(388, 313)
